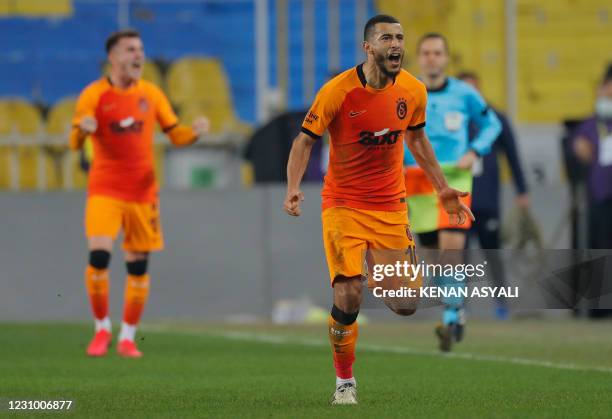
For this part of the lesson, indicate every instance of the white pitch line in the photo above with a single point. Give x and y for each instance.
(284, 340)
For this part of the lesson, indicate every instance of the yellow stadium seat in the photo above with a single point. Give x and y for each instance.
(36, 8)
(59, 119)
(199, 86)
(222, 117)
(18, 117)
(197, 78)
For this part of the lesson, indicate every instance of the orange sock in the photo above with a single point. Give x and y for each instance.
(136, 293)
(97, 283)
(343, 339)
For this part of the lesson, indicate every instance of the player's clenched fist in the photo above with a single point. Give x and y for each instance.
(88, 124)
(292, 202)
(201, 125)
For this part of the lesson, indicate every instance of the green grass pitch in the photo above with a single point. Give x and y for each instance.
(519, 369)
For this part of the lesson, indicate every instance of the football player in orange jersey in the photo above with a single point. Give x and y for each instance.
(369, 110)
(119, 112)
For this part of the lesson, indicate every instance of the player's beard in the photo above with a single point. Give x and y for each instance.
(381, 62)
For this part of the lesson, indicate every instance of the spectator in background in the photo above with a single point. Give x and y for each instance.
(485, 194)
(592, 145)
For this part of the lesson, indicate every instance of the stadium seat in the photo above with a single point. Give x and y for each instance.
(36, 8)
(59, 121)
(197, 78)
(21, 122)
(222, 117)
(198, 86)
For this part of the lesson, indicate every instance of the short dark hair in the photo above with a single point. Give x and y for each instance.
(468, 75)
(369, 26)
(432, 35)
(115, 37)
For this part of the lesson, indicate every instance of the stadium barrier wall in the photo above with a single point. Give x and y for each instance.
(229, 256)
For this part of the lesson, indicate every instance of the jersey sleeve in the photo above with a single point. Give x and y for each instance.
(489, 126)
(326, 105)
(417, 120)
(163, 110)
(86, 106)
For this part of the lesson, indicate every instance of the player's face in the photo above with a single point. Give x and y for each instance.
(606, 90)
(386, 45)
(127, 58)
(432, 57)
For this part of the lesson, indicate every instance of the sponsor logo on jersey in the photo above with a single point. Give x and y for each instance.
(127, 125)
(378, 138)
(311, 118)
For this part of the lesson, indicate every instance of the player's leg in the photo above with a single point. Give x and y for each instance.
(451, 245)
(142, 235)
(102, 224)
(391, 242)
(344, 250)
(343, 331)
(136, 295)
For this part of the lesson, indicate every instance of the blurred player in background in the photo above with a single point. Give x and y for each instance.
(367, 110)
(592, 144)
(119, 112)
(485, 195)
(452, 106)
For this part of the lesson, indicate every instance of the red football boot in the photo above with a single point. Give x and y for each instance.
(100, 343)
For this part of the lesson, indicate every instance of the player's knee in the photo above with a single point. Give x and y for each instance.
(343, 317)
(137, 267)
(99, 259)
(347, 293)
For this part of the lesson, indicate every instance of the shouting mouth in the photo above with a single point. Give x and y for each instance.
(395, 58)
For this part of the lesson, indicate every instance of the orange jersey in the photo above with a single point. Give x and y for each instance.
(366, 128)
(123, 166)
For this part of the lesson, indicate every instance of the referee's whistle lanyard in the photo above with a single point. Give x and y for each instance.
(603, 131)
(604, 144)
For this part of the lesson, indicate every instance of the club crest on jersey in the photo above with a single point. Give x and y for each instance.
(378, 138)
(401, 108)
(143, 105)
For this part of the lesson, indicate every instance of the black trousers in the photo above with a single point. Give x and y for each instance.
(487, 228)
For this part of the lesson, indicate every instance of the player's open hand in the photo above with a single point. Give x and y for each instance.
(88, 124)
(467, 160)
(292, 202)
(457, 210)
(201, 125)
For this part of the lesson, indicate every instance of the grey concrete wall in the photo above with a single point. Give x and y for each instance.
(228, 253)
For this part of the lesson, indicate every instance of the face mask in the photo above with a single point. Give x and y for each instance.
(603, 107)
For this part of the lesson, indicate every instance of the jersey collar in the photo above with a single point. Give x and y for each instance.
(364, 83)
(439, 89)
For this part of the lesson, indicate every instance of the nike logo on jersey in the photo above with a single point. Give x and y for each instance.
(127, 122)
(353, 114)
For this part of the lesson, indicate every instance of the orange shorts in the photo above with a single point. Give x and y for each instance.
(105, 216)
(349, 232)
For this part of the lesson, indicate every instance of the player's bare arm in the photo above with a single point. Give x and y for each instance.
(423, 153)
(296, 166)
